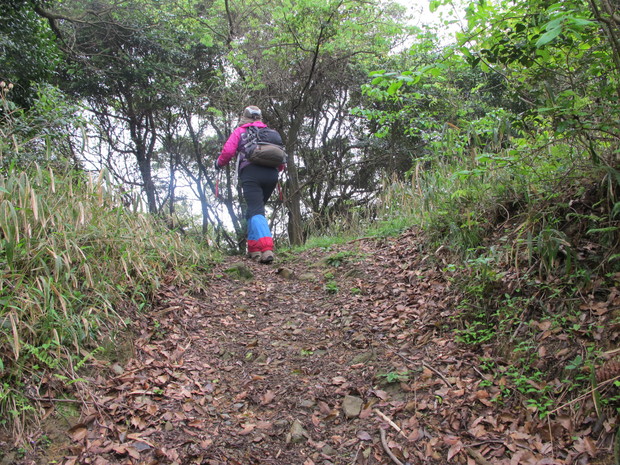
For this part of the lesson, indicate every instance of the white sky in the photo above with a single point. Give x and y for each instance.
(421, 15)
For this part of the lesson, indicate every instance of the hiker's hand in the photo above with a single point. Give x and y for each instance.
(217, 166)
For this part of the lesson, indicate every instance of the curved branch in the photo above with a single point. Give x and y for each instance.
(51, 19)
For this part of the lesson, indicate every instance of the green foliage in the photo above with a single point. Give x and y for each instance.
(522, 382)
(75, 260)
(395, 376)
(613, 399)
(29, 57)
(340, 258)
(331, 287)
(551, 55)
(40, 133)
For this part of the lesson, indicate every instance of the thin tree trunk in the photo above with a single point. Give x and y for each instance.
(293, 198)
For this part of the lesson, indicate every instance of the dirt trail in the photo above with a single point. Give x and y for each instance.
(333, 357)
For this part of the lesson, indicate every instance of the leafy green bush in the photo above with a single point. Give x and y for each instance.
(39, 134)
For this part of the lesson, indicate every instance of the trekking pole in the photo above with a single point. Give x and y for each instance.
(280, 190)
(218, 178)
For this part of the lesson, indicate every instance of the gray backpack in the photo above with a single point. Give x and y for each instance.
(263, 146)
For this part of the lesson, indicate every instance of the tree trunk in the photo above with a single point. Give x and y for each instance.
(142, 133)
(144, 164)
(172, 167)
(293, 197)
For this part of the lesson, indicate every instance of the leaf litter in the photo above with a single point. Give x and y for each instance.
(280, 369)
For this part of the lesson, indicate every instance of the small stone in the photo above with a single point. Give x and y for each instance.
(117, 369)
(241, 271)
(280, 423)
(262, 358)
(362, 358)
(286, 273)
(329, 450)
(297, 433)
(141, 446)
(352, 406)
(307, 277)
(168, 426)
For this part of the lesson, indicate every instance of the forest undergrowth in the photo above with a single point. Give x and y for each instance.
(518, 334)
(505, 275)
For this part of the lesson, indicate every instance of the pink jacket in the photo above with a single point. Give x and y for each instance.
(232, 144)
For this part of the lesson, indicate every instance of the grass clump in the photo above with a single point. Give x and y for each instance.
(77, 263)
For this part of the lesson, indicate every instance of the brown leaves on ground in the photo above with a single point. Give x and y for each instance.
(257, 372)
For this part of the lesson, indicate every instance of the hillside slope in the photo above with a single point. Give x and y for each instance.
(339, 356)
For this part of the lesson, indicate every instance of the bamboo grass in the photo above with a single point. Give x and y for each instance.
(72, 255)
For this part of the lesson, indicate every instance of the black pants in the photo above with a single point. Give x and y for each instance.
(258, 183)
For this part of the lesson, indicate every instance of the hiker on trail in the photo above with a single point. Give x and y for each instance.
(257, 183)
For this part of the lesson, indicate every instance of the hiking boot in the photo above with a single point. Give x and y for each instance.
(267, 256)
(255, 256)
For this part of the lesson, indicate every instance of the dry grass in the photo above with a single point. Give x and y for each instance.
(72, 254)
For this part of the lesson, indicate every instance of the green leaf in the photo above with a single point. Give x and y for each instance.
(582, 22)
(555, 23)
(602, 230)
(207, 40)
(394, 87)
(548, 36)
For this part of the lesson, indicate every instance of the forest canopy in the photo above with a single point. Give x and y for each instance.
(362, 92)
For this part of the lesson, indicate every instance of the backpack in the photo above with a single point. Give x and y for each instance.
(263, 146)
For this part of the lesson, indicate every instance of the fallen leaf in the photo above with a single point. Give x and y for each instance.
(78, 432)
(138, 422)
(247, 428)
(264, 425)
(324, 408)
(590, 446)
(132, 452)
(381, 394)
(267, 397)
(454, 449)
